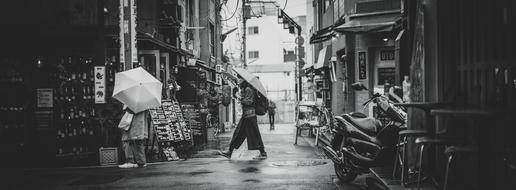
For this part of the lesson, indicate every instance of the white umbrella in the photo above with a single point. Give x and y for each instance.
(137, 89)
(251, 79)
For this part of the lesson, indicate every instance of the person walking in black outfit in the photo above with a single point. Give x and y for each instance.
(272, 111)
(247, 126)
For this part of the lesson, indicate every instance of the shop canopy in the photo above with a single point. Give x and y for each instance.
(323, 59)
(322, 35)
(144, 37)
(383, 23)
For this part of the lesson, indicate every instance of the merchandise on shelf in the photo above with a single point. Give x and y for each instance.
(170, 126)
(76, 127)
(193, 118)
(14, 101)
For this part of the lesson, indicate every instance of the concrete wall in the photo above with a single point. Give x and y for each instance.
(338, 102)
(191, 20)
(209, 16)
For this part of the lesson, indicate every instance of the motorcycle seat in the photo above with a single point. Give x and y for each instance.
(367, 125)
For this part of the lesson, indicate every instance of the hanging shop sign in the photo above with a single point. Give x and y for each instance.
(100, 84)
(362, 67)
(387, 55)
(45, 97)
(226, 95)
(218, 79)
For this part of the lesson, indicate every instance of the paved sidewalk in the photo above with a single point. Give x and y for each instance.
(289, 166)
(279, 143)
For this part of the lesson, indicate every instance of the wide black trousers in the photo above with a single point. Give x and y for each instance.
(247, 128)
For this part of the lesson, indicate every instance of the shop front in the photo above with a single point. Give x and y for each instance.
(56, 115)
(322, 78)
(371, 40)
(53, 102)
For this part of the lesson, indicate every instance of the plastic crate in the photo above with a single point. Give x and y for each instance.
(108, 156)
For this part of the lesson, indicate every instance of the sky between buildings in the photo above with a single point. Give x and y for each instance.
(231, 18)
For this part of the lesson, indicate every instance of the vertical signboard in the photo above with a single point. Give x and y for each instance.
(362, 66)
(100, 84)
(128, 52)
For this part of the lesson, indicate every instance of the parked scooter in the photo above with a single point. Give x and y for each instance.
(362, 142)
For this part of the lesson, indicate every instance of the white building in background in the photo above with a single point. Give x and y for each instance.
(267, 42)
(270, 50)
(271, 55)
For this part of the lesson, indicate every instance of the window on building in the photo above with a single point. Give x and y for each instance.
(212, 39)
(289, 56)
(254, 54)
(252, 30)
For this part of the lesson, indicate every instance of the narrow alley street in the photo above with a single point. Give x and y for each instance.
(288, 167)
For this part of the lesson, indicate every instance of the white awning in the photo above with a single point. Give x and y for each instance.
(324, 56)
(307, 66)
(382, 23)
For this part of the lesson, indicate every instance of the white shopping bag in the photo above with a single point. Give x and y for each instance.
(125, 122)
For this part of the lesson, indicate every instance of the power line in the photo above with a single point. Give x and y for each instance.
(232, 15)
(285, 6)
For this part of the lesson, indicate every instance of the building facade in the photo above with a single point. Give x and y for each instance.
(355, 41)
(455, 53)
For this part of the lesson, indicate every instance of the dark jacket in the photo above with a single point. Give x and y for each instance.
(272, 108)
(247, 101)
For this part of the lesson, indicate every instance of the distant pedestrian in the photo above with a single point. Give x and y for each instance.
(247, 126)
(272, 111)
(134, 138)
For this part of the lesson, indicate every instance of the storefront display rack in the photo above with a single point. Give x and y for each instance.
(195, 121)
(13, 106)
(77, 132)
(170, 128)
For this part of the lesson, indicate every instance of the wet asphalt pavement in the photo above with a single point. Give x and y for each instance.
(288, 166)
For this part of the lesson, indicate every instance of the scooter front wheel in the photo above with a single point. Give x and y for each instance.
(344, 172)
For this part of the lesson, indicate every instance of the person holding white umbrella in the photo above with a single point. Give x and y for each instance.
(133, 139)
(138, 91)
(247, 126)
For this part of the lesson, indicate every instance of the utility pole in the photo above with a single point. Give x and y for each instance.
(244, 20)
(299, 41)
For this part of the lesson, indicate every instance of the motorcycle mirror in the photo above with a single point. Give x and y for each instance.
(358, 86)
